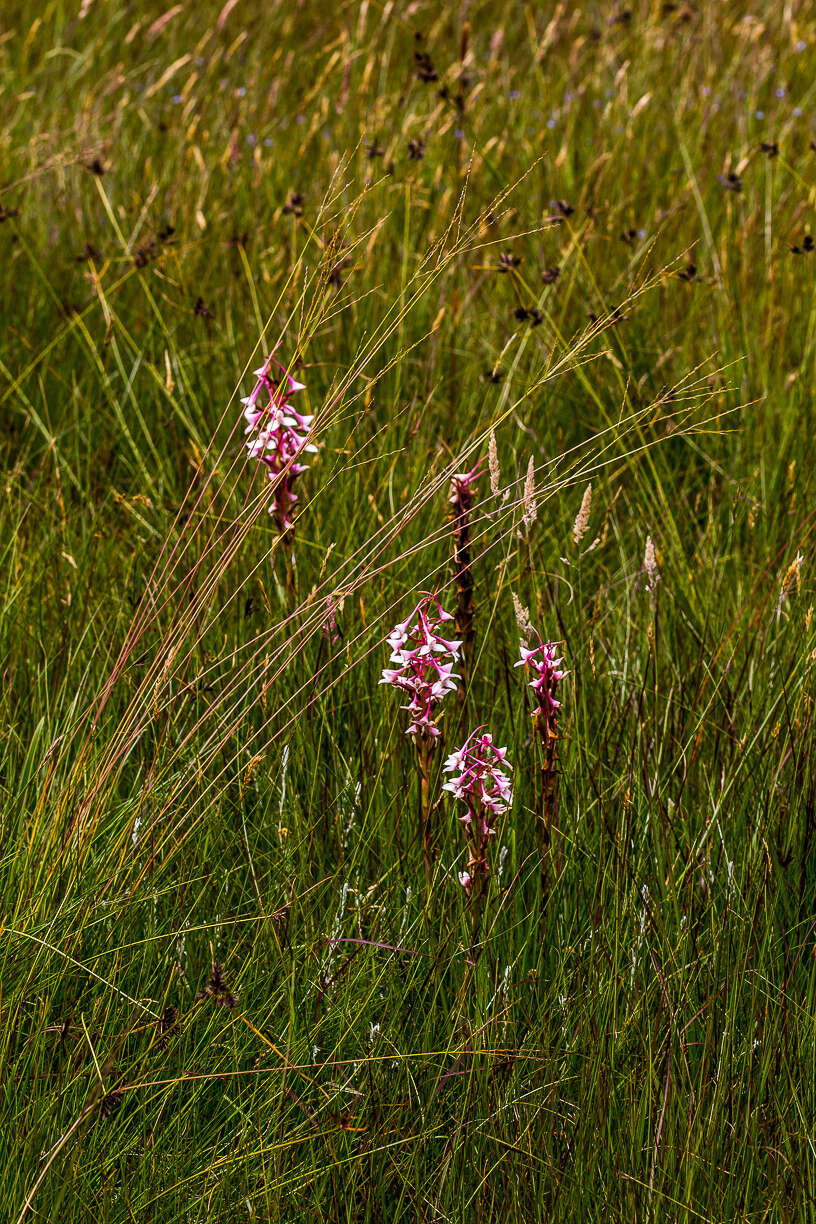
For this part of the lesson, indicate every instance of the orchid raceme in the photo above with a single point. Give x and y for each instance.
(278, 435)
(424, 660)
(461, 502)
(547, 675)
(542, 661)
(482, 784)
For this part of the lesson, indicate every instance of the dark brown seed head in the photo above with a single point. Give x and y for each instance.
(294, 205)
(218, 989)
(109, 1105)
(730, 181)
(507, 260)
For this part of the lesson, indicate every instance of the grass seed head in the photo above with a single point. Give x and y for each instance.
(493, 464)
(581, 525)
(650, 565)
(530, 512)
(522, 618)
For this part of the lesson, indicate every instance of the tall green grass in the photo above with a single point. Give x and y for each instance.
(575, 233)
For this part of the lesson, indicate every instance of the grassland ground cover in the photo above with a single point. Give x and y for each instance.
(257, 963)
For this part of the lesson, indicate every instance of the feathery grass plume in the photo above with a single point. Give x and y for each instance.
(493, 464)
(581, 525)
(522, 618)
(547, 675)
(530, 511)
(483, 786)
(650, 566)
(424, 670)
(461, 502)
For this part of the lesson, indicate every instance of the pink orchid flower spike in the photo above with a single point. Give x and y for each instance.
(278, 436)
(481, 782)
(543, 662)
(424, 659)
(424, 665)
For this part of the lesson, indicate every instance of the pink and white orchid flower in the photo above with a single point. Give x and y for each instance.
(424, 664)
(278, 435)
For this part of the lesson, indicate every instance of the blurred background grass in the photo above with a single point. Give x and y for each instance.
(587, 229)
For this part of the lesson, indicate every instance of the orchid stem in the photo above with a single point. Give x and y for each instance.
(425, 750)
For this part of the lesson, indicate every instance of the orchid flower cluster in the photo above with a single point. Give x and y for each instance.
(278, 435)
(547, 676)
(425, 661)
(483, 786)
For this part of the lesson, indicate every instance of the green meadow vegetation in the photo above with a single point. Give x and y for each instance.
(234, 984)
